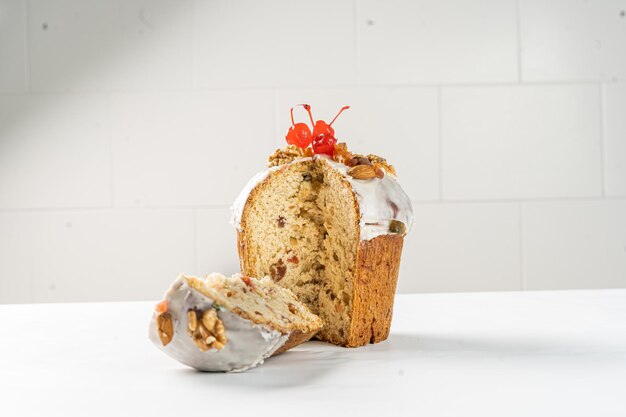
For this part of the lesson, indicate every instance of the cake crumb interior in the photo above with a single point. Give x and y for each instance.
(258, 300)
(303, 232)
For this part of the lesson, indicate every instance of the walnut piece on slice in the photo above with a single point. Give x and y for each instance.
(206, 329)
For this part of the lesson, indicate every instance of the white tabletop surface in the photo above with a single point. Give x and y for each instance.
(488, 354)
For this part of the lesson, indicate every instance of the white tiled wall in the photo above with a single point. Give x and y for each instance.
(515, 142)
(13, 70)
(615, 139)
(188, 149)
(272, 43)
(574, 244)
(128, 127)
(55, 151)
(85, 45)
(565, 40)
(463, 247)
(432, 41)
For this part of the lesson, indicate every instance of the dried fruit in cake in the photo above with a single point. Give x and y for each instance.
(220, 323)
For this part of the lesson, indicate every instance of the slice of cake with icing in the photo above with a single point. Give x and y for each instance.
(220, 323)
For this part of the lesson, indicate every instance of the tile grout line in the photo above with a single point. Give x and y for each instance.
(194, 226)
(27, 74)
(40, 210)
(340, 86)
(525, 199)
(518, 23)
(276, 118)
(194, 49)
(440, 142)
(601, 93)
(522, 253)
(355, 42)
(50, 210)
(111, 152)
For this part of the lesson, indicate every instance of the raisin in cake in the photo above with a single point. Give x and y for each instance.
(220, 323)
(329, 225)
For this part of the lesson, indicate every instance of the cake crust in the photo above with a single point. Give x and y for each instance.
(295, 338)
(378, 264)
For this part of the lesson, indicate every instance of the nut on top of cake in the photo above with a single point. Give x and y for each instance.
(363, 167)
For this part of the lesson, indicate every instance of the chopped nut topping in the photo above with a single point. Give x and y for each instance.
(342, 155)
(352, 162)
(192, 320)
(382, 163)
(207, 333)
(165, 328)
(396, 226)
(209, 318)
(288, 154)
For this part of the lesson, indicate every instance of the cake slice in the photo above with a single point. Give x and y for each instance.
(220, 323)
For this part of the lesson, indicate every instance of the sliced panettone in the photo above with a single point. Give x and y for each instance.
(332, 239)
(220, 323)
(329, 225)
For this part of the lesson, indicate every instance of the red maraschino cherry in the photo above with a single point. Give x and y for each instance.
(299, 134)
(322, 138)
(323, 144)
(321, 128)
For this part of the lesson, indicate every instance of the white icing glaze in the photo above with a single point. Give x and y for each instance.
(242, 198)
(248, 345)
(380, 199)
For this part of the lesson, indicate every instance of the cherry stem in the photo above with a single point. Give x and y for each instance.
(340, 111)
(308, 109)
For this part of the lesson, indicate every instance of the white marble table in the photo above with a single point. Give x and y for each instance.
(488, 354)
